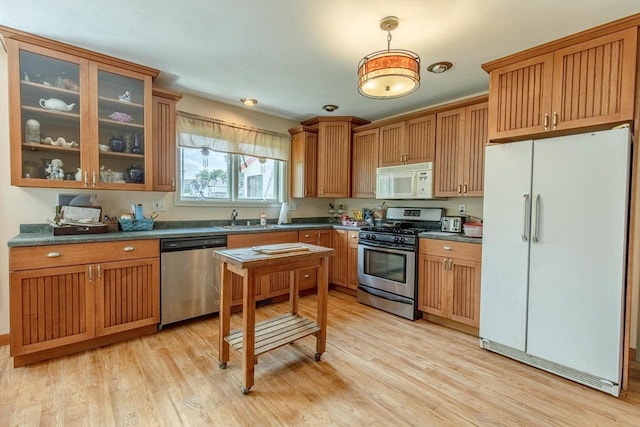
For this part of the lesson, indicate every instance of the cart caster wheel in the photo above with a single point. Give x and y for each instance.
(318, 356)
(222, 365)
(245, 390)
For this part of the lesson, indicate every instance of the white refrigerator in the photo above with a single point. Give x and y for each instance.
(554, 254)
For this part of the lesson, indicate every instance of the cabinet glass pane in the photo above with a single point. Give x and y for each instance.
(50, 117)
(120, 129)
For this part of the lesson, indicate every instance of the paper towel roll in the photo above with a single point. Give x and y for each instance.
(284, 209)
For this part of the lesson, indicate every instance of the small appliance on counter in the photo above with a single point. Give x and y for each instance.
(452, 224)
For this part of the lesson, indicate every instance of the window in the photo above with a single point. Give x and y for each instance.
(222, 163)
(210, 176)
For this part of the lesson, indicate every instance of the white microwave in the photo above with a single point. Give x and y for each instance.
(413, 181)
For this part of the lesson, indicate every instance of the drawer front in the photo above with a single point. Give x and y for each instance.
(31, 257)
(308, 236)
(352, 236)
(446, 248)
(307, 278)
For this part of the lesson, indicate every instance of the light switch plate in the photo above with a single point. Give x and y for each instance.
(462, 209)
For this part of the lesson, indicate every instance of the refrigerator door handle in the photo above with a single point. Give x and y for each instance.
(525, 216)
(536, 218)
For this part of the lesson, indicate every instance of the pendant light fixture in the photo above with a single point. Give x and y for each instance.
(390, 73)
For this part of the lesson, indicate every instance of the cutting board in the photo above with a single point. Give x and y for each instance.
(281, 248)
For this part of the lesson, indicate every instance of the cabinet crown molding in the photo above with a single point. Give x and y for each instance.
(592, 33)
(17, 35)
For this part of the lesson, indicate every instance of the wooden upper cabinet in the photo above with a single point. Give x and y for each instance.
(89, 112)
(476, 138)
(449, 162)
(391, 147)
(410, 141)
(164, 139)
(594, 81)
(461, 137)
(304, 158)
(578, 86)
(420, 139)
(520, 98)
(364, 151)
(334, 154)
(334, 159)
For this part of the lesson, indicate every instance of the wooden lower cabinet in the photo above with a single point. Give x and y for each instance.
(345, 260)
(307, 279)
(66, 298)
(449, 280)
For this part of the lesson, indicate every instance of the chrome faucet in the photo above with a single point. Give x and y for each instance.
(234, 215)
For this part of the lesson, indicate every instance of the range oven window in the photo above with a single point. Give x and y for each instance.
(386, 265)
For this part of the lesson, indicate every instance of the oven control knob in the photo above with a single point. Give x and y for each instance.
(398, 239)
(371, 236)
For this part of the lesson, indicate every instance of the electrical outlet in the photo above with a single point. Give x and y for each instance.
(293, 206)
(159, 205)
(462, 209)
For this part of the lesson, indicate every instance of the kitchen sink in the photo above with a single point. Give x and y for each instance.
(240, 227)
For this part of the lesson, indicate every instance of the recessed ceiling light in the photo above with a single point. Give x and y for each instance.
(330, 107)
(439, 67)
(249, 102)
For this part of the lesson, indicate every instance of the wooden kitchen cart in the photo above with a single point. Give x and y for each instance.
(254, 339)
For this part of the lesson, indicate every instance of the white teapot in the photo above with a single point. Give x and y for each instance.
(56, 104)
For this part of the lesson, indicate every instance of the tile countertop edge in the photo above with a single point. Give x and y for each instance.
(456, 237)
(42, 238)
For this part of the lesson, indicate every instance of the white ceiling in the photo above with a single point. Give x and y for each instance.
(296, 55)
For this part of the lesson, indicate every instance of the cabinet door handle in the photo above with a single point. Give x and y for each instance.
(555, 119)
(322, 191)
(459, 188)
(465, 188)
(129, 248)
(86, 179)
(90, 273)
(546, 121)
(536, 218)
(173, 184)
(99, 270)
(525, 216)
(446, 247)
(450, 265)
(93, 179)
(54, 254)
(444, 264)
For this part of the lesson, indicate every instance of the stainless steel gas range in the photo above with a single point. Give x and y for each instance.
(388, 260)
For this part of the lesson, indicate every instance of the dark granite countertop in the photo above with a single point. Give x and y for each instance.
(39, 234)
(456, 237)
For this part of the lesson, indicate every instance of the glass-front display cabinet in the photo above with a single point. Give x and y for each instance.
(76, 122)
(121, 127)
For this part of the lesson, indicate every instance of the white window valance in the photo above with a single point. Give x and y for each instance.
(205, 132)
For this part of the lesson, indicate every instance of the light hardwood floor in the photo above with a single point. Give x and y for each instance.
(378, 370)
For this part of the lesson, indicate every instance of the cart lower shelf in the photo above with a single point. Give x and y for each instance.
(275, 332)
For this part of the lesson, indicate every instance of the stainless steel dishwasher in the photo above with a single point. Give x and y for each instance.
(189, 278)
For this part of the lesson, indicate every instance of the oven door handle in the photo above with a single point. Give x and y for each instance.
(385, 295)
(388, 250)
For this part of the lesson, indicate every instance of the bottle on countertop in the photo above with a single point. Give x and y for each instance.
(139, 212)
(263, 218)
